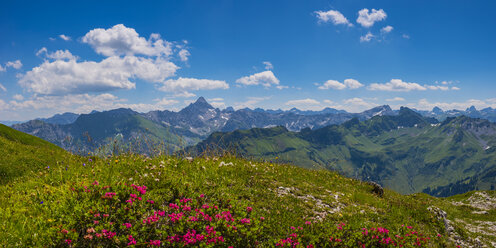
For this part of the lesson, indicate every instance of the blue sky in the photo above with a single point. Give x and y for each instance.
(57, 56)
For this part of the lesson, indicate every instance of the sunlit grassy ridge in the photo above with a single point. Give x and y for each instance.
(21, 153)
(57, 205)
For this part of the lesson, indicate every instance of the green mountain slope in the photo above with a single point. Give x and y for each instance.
(101, 202)
(407, 153)
(110, 131)
(22, 153)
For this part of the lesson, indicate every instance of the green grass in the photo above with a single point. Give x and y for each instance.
(21, 153)
(38, 204)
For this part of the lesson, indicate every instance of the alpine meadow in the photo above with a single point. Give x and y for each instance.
(284, 123)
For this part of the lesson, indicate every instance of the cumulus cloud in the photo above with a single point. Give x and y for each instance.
(251, 102)
(2, 68)
(353, 105)
(63, 77)
(121, 40)
(366, 38)
(265, 78)
(18, 97)
(65, 37)
(347, 84)
(400, 85)
(183, 55)
(14, 64)
(455, 88)
(59, 54)
(268, 65)
(184, 85)
(304, 104)
(82, 103)
(332, 84)
(405, 36)
(2, 88)
(333, 16)
(396, 99)
(367, 19)
(396, 85)
(386, 29)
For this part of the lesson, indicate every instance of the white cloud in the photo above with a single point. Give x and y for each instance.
(217, 102)
(396, 99)
(353, 105)
(121, 40)
(304, 104)
(366, 38)
(396, 85)
(332, 15)
(43, 50)
(250, 103)
(332, 84)
(183, 85)
(184, 94)
(62, 77)
(14, 64)
(3, 105)
(18, 97)
(400, 85)
(2, 88)
(352, 83)
(265, 78)
(183, 55)
(2, 68)
(386, 29)
(437, 87)
(82, 103)
(165, 102)
(367, 19)
(268, 65)
(348, 83)
(59, 54)
(405, 36)
(65, 37)
(217, 99)
(281, 87)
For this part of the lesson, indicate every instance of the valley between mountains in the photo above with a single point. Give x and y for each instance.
(438, 152)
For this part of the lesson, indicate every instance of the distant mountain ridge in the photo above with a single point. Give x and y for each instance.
(438, 113)
(177, 129)
(190, 125)
(406, 152)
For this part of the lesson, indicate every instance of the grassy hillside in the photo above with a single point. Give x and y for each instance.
(89, 201)
(407, 153)
(21, 153)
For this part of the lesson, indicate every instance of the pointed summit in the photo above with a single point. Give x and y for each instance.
(201, 100)
(199, 107)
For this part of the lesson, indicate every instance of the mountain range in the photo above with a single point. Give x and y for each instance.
(406, 152)
(86, 132)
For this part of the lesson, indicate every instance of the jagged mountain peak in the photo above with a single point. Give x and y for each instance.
(437, 110)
